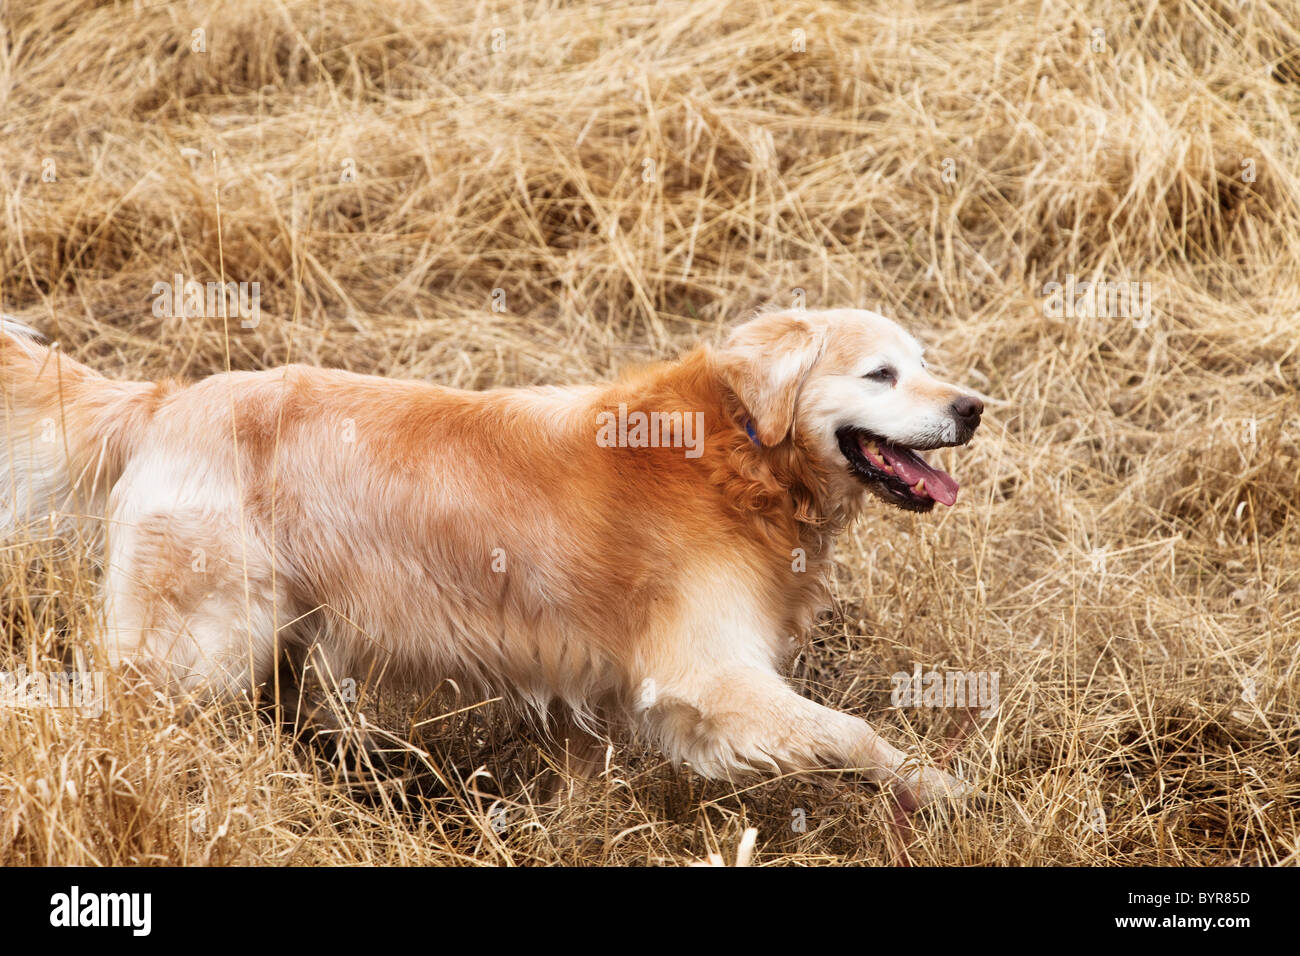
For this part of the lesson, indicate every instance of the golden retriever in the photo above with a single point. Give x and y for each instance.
(646, 552)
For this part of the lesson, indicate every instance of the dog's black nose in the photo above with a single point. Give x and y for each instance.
(968, 409)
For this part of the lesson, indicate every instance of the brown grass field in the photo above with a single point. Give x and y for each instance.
(634, 177)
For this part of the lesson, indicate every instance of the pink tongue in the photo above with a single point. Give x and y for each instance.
(912, 468)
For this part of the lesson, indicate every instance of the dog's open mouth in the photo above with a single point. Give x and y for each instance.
(894, 473)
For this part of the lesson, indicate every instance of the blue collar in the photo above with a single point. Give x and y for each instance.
(753, 435)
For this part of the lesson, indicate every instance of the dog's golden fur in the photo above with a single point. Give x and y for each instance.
(488, 536)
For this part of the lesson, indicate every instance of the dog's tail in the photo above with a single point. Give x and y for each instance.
(66, 431)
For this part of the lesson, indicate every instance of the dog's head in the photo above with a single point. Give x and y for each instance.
(853, 387)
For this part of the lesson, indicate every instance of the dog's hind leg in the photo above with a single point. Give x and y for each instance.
(318, 701)
(189, 607)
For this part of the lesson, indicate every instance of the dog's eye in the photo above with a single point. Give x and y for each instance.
(883, 374)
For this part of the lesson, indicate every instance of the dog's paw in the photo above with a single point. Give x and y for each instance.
(929, 786)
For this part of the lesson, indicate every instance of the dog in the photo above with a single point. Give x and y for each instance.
(645, 553)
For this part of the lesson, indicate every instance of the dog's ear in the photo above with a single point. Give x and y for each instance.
(765, 362)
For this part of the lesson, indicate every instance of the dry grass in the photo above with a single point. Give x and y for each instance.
(633, 176)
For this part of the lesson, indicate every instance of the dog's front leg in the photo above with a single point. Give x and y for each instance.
(753, 720)
(574, 755)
